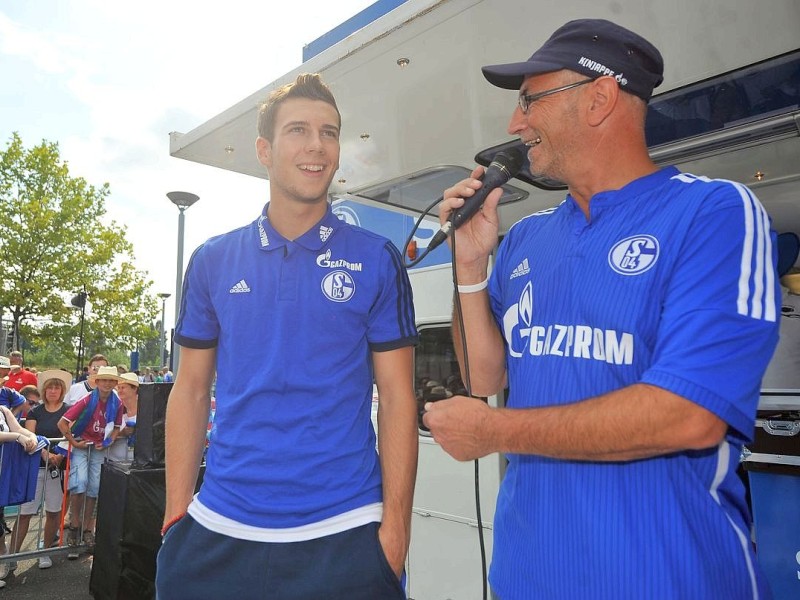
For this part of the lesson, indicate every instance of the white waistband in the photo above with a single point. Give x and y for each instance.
(371, 513)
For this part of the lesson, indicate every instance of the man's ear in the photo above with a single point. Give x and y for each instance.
(605, 95)
(264, 151)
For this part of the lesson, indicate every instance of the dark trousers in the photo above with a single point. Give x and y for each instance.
(196, 564)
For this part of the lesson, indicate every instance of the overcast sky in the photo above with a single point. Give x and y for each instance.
(109, 80)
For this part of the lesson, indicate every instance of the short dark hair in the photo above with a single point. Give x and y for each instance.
(98, 357)
(307, 85)
(31, 389)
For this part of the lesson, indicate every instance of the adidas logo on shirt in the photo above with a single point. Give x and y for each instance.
(240, 287)
(521, 269)
(325, 233)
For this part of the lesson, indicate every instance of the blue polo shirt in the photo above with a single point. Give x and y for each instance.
(294, 324)
(670, 282)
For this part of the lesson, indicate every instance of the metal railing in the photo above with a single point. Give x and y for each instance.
(34, 545)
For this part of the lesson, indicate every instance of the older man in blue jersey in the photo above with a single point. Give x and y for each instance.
(632, 325)
(296, 312)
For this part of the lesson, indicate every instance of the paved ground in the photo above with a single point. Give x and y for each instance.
(65, 580)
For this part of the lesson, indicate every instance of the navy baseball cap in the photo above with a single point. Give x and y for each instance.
(592, 47)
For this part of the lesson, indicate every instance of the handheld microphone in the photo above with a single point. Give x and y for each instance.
(503, 167)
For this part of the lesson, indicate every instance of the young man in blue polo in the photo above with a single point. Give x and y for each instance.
(297, 313)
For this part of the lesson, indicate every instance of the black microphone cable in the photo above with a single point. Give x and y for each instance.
(410, 238)
(468, 386)
(467, 381)
(503, 167)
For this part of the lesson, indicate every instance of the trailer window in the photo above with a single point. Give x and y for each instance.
(416, 191)
(758, 91)
(436, 372)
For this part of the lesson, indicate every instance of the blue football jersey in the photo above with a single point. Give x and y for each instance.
(670, 282)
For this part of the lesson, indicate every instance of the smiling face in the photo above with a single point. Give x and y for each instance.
(550, 128)
(127, 392)
(303, 155)
(105, 386)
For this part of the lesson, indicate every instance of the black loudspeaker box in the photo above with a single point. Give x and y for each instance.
(151, 417)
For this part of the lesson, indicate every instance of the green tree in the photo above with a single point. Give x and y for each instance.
(53, 244)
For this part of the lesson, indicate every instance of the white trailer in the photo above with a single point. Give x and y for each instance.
(416, 111)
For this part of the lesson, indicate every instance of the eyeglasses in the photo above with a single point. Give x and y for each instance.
(525, 100)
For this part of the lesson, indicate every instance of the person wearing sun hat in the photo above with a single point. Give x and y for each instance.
(80, 388)
(128, 392)
(5, 366)
(631, 323)
(90, 425)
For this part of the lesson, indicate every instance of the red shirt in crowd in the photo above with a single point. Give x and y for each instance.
(18, 380)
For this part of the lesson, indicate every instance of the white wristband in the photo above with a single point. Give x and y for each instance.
(475, 287)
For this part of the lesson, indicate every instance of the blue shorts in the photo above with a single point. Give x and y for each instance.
(84, 471)
(195, 563)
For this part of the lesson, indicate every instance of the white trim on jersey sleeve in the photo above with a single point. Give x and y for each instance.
(756, 248)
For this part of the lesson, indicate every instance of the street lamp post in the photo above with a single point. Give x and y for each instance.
(162, 340)
(182, 200)
(79, 301)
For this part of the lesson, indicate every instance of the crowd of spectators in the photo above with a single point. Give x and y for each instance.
(55, 433)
